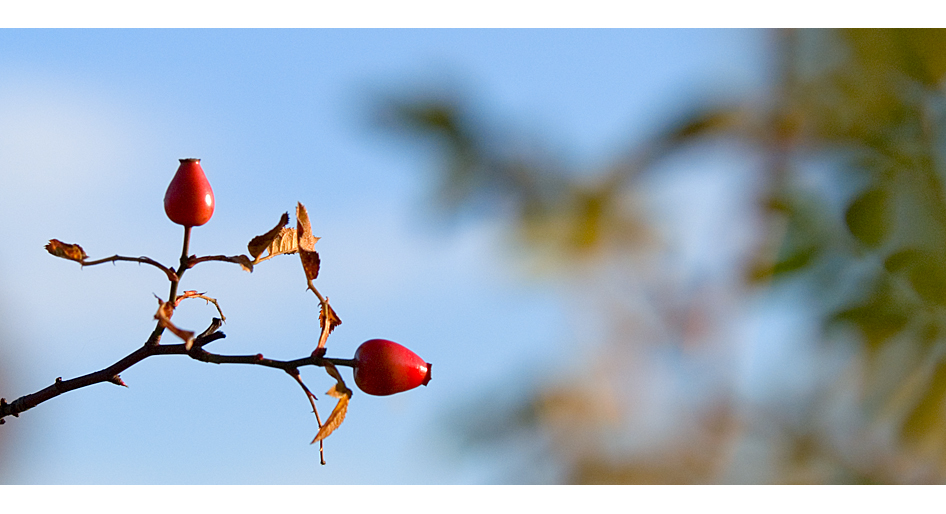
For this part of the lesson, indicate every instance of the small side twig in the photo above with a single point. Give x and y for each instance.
(294, 373)
(244, 261)
(172, 276)
(195, 294)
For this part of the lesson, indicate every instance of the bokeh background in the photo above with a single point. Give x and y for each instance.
(632, 256)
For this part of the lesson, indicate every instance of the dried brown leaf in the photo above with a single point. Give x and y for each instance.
(284, 243)
(244, 262)
(304, 229)
(343, 393)
(259, 244)
(336, 392)
(310, 263)
(339, 389)
(328, 320)
(73, 252)
(278, 241)
(164, 317)
(334, 419)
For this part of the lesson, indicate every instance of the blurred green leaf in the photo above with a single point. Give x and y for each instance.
(702, 123)
(924, 270)
(880, 317)
(795, 261)
(902, 260)
(867, 217)
(928, 278)
(849, 107)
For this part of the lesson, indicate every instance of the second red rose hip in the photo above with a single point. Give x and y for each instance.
(189, 200)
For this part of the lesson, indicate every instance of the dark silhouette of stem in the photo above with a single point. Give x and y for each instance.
(149, 349)
(192, 347)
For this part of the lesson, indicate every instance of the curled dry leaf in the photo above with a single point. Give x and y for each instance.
(164, 317)
(310, 258)
(259, 244)
(339, 389)
(73, 252)
(334, 419)
(283, 244)
(343, 393)
(310, 263)
(304, 229)
(278, 241)
(244, 262)
(328, 320)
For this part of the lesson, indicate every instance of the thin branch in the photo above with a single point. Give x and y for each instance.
(155, 337)
(295, 374)
(311, 287)
(149, 349)
(242, 260)
(192, 346)
(60, 386)
(172, 276)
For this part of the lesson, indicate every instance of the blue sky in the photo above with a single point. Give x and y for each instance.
(92, 123)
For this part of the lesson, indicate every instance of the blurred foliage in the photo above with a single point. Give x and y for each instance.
(864, 109)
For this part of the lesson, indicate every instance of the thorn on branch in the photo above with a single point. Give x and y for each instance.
(117, 380)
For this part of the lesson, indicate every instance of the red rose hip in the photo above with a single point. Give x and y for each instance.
(384, 367)
(189, 200)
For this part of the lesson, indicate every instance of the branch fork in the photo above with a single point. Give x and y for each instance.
(278, 241)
